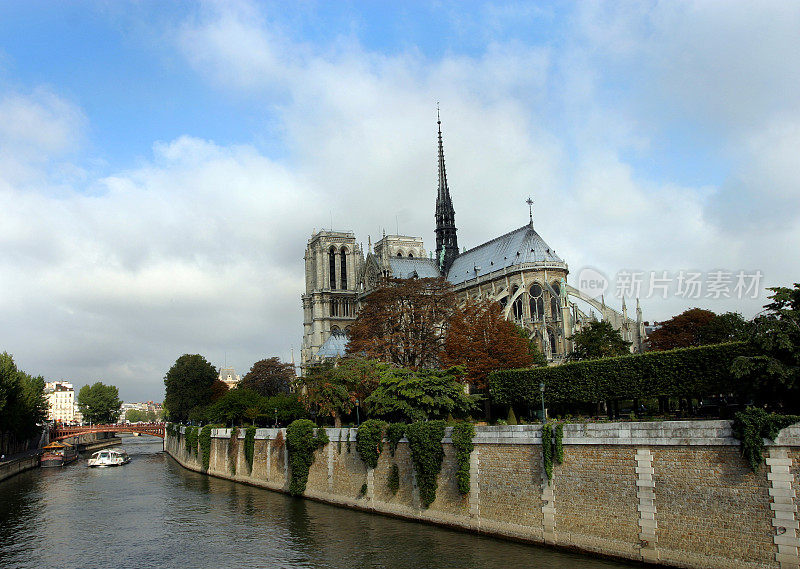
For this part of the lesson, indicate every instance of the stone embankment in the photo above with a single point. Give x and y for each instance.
(675, 493)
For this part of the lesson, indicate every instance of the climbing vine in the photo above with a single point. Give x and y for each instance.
(547, 449)
(249, 446)
(191, 440)
(233, 450)
(462, 436)
(302, 441)
(752, 426)
(394, 479)
(425, 442)
(205, 446)
(172, 429)
(369, 441)
(395, 432)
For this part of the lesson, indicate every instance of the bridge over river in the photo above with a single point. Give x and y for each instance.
(63, 432)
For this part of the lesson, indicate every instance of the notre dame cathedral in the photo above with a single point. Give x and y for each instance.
(519, 270)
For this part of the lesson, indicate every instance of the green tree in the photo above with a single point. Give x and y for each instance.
(22, 401)
(269, 377)
(774, 370)
(99, 403)
(188, 385)
(405, 395)
(598, 340)
(232, 407)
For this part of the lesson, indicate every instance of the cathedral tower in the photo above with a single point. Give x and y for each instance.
(446, 240)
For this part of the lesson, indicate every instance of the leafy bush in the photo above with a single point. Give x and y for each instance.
(302, 439)
(425, 441)
(462, 436)
(685, 372)
(369, 441)
(752, 426)
(205, 446)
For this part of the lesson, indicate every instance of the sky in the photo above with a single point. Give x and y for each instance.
(163, 165)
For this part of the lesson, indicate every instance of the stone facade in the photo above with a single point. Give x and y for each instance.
(671, 493)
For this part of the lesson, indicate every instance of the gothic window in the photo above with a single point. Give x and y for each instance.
(537, 301)
(410, 255)
(332, 264)
(517, 307)
(344, 268)
(334, 307)
(399, 253)
(555, 304)
(552, 337)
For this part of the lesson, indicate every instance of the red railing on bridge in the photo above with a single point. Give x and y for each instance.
(62, 432)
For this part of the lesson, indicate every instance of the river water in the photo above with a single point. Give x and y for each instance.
(152, 513)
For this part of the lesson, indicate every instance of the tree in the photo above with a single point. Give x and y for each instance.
(537, 356)
(333, 390)
(403, 323)
(22, 401)
(774, 370)
(419, 395)
(269, 377)
(481, 341)
(232, 406)
(188, 385)
(598, 340)
(99, 403)
(217, 389)
(698, 327)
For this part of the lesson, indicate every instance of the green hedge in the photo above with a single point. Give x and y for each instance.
(685, 372)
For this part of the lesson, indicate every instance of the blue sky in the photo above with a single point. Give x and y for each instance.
(163, 164)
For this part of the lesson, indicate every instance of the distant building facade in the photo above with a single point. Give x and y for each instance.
(519, 270)
(62, 406)
(228, 376)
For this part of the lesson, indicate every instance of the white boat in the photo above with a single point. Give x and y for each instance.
(109, 457)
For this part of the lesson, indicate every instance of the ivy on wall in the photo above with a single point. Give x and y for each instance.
(191, 440)
(302, 439)
(558, 434)
(233, 450)
(752, 426)
(394, 479)
(369, 441)
(249, 446)
(205, 446)
(462, 436)
(425, 442)
(684, 372)
(395, 432)
(552, 447)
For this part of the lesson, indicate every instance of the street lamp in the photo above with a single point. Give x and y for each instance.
(541, 390)
(358, 417)
(276, 418)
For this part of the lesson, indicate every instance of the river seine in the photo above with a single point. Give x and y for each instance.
(152, 513)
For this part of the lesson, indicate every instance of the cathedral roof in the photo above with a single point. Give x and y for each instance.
(520, 246)
(408, 267)
(333, 347)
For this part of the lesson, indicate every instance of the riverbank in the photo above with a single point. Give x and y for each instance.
(675, 493)
(17, 464)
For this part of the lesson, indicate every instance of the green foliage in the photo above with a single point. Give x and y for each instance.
(752, 426)
(425, 442)
(205, 446)
(369, 441)
(363, 490)
(240, 404)
(685, 372)
(394, 479)
(233, 450)
(249, 446)
(598, 340)
(547, 449)
(188, 385)
(269, 377)
(171, 429)
(421, 395)
(395, 432)
(99, 403)
(301, 442)
(190, 440)
(23, 404)
(462, 436)
(333, 391)
(512, 418)
(558, 433)
(141, 416)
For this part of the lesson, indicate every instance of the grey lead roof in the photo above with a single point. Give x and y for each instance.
(406, 267)
(520, 246)
(333, 347)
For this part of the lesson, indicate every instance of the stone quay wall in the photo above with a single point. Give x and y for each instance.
(674, 493)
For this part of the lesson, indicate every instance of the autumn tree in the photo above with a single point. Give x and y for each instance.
(217, 390)
(333, 389)
(269, 377)
(698, 327)
(481, 341)
(403, 323)
(598, 340)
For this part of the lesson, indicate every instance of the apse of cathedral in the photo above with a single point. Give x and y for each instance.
(519, 270)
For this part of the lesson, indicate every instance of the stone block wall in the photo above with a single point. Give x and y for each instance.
(675, 493)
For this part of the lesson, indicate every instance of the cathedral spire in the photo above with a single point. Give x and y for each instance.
(446, 240)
